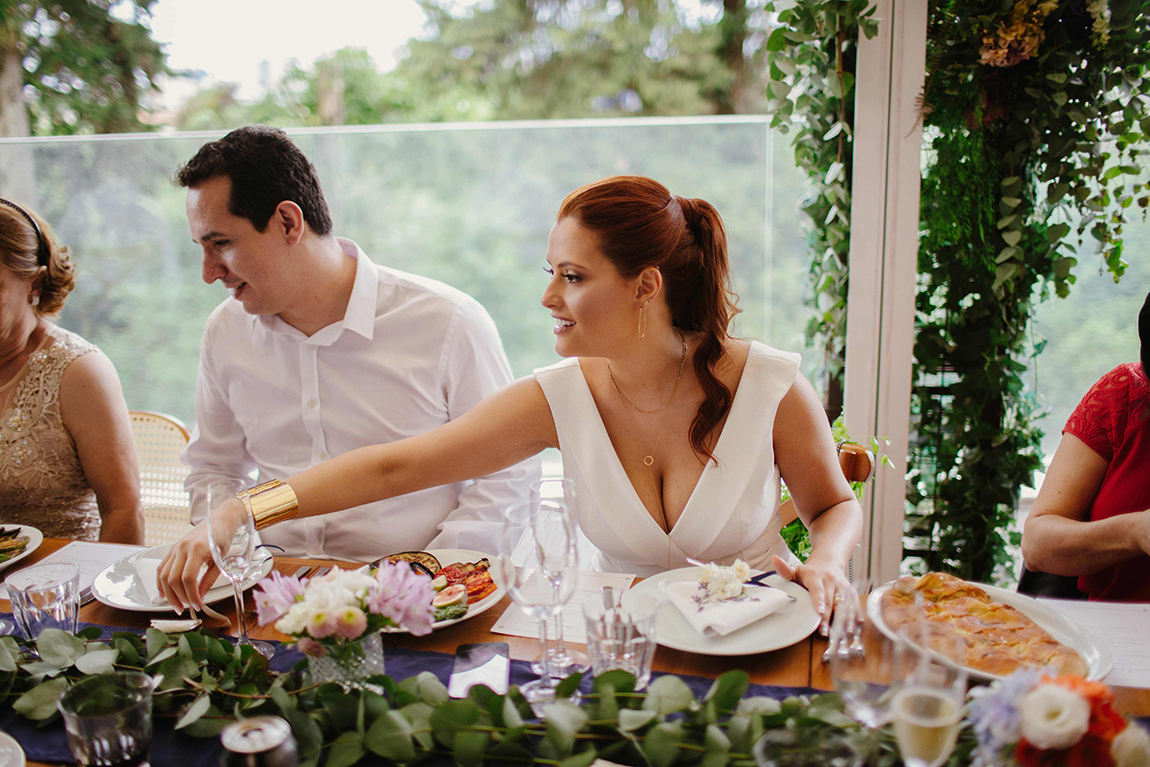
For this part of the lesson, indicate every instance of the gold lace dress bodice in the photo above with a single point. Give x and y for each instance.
(42, 483)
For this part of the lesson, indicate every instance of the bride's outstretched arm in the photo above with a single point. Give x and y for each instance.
(507, 427)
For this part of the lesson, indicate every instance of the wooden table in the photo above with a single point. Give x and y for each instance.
(797, 666)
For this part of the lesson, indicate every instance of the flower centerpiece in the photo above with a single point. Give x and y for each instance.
(1033, 719)
(336, 619)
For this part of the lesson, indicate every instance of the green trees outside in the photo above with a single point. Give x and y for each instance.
(88, 66)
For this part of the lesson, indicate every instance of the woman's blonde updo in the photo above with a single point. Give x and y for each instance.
(20, 254)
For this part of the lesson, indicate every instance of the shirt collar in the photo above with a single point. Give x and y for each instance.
(360, 314)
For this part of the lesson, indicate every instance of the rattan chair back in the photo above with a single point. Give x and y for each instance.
(167, 507)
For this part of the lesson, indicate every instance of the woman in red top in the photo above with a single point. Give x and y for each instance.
(1092, 516)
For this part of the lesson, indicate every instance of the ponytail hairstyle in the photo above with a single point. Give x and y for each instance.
(1144, 336)
(26, 244)
(638, 223)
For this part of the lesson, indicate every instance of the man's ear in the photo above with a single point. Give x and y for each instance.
(288, 217)
(649, 284)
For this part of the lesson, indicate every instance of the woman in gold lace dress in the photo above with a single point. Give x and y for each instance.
(67, 460)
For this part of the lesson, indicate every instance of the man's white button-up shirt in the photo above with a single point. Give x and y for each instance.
(410, 354)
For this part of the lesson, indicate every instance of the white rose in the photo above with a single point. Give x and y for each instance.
(741, 570)
(708, 571)
(1131, 747)
(329, 595)
(1053, 717)
(295, 620)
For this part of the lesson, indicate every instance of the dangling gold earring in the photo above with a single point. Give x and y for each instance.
(643, 319)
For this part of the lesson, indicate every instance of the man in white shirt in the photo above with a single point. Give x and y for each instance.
(319, 351)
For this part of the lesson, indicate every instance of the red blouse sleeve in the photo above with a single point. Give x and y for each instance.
(1107, 411)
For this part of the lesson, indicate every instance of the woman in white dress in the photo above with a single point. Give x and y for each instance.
(674, 433)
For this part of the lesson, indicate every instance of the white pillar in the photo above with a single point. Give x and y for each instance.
(884, 264)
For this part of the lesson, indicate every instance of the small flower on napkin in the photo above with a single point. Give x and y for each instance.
(720, 602)
(725, 582)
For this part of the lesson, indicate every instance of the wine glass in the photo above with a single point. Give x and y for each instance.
(545, 581)
(861, 662)
(928, 707)
(232, 539)
(564, 661)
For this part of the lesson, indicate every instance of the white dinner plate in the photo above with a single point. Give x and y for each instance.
(119, 586)
(1096, 655)
(35, 538)
(449, 557)
(789, 625)
(11, 755)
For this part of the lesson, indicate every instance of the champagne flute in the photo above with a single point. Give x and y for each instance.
(544, 583)
(232, 539)
(928, 706)
(564, 661)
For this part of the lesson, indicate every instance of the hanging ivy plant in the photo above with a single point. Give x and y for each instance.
(1035, 124)
(812, 55)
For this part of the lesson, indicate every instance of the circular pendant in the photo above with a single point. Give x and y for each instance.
(648, 460)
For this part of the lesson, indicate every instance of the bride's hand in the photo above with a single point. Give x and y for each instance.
(827, 584)
(181, 575)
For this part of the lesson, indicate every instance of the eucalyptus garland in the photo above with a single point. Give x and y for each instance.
(208, 682)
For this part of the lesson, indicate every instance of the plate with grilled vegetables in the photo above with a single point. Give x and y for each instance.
(17, 542)
(464, 582)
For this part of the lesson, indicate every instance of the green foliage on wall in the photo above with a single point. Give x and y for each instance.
(811, 91)
(1036, 125)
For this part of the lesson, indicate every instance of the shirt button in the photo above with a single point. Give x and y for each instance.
(311, 403)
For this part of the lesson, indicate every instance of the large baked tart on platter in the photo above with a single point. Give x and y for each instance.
(997, 638)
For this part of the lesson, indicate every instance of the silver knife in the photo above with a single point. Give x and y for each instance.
(86, 596)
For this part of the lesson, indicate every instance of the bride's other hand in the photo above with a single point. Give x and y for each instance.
(826, 583)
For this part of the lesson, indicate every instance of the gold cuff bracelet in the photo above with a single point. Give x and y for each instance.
(271, 503)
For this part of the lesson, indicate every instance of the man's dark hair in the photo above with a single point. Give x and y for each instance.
(265, 169)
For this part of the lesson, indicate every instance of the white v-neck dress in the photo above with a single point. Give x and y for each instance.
(733, 512)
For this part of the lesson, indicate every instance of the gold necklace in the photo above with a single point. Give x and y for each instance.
(682, 363)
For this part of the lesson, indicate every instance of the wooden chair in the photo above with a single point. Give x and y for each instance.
(167, 507)
(857, 464)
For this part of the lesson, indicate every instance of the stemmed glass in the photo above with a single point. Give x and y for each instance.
(545, 581)
(232, 540)
(928, 706)
(563, 660)
(861, 662)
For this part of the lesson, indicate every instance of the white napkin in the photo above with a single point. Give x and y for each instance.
(146, 571)
(720, 617)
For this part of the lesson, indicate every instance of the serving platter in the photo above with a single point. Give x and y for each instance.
(35, 538)
(449, 557)
(790, 624)
(1093, 652)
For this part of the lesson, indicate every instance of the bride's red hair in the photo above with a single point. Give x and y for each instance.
(638, 223)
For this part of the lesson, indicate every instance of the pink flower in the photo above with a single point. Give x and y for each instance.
(322, 624)
(350, 623)
(275, 596)
(310, 647)
(403, 596)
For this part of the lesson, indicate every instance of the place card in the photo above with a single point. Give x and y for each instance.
(91, 558)
(514, 622)
(1122, 628)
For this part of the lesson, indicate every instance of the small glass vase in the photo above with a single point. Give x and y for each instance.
(350, 664)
